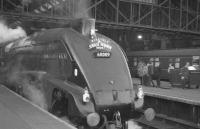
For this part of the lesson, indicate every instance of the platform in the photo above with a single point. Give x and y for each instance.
(188, 96)
(18, 113)
(182, 105)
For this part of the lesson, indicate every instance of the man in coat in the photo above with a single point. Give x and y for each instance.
(157, 73)
(185, 75)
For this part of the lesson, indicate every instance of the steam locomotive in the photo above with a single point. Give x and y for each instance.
(81, 74)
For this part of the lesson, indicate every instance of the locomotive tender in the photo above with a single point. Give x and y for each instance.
(85, 70)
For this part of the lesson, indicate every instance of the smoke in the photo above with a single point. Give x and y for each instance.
(12, 69)
(26, 2)
(33, 91)
(9, 34)
(82, 9)
(28, 85)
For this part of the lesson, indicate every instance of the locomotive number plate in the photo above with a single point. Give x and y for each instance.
(102, 54)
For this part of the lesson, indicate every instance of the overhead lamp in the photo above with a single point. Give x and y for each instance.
(139, 36)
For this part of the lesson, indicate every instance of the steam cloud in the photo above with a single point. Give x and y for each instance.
(9, 34)
(32, 91)
(30, 88)
(81, 9)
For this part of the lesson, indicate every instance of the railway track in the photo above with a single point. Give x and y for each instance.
(165, 122)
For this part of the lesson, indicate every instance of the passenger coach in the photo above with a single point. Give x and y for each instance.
(177, 57)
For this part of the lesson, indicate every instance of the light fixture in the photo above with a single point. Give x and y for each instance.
(139, 36)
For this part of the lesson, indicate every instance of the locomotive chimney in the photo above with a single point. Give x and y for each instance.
(88, 27)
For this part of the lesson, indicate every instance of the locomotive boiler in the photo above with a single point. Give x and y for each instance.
(81, 74)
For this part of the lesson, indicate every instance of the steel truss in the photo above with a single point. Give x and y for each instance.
(169, 15)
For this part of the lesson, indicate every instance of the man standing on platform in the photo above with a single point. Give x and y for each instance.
(150, 73)
(157, 73)
(185, 75)
(169, 70)
(142, 70)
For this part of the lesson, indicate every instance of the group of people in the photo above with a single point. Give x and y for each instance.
(149, 73)
(183, 73)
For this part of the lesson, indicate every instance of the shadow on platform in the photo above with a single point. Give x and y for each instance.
(163, 84)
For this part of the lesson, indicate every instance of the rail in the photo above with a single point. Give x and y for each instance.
(165, 122)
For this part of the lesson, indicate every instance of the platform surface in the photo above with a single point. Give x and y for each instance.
(18, 113)
(166, 91)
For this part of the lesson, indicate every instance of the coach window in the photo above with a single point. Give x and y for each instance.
(135, 61)
(152, 60)
(177, 63)
(195, 59)
(171, 60)
(156, 62)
